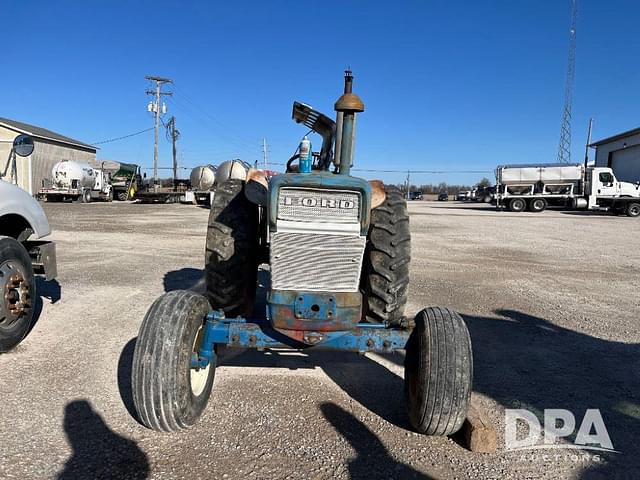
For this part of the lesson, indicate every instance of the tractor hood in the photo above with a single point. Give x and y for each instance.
(14, 200)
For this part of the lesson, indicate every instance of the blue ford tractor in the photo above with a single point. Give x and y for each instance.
(338, 249)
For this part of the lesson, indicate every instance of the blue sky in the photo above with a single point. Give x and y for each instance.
(447, 85)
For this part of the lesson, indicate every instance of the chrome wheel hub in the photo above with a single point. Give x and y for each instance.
(15, 294)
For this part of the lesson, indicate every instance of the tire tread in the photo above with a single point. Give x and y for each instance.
(385, 274)
(439, 368)
(156, 385)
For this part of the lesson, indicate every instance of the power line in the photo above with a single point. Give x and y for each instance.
(409, 171)
(231, 145)
(123, 137)
(371, 170)
(240, 143)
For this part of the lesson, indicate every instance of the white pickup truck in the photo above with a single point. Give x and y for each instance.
(23, 224)
(519, 187)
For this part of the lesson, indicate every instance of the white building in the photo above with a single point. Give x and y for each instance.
(622, 154)
(49, 148)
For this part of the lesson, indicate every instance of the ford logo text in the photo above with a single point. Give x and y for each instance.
(321, 202)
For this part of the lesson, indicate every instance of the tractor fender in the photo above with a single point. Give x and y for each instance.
(256, 188)
(378, 194)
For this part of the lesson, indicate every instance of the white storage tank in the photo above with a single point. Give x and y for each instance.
(70, 174)
(545, 173)
(203, 177)
(232, 170)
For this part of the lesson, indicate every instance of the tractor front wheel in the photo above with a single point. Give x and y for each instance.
(438, 372)
(385, 273)
(168, 394)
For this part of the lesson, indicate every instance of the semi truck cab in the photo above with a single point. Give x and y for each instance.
(604, 191)
(605, 184)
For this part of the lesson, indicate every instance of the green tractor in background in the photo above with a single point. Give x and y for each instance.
(126, 181)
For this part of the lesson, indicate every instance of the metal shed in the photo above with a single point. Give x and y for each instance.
(621, 153)
(50, 147)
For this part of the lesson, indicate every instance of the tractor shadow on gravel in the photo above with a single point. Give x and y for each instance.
(125, 363)
(98, 452)
(184, 279)
(523, 361)
(372, 458)
(368, 382)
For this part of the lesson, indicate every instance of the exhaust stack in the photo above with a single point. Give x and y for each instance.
(347, 106)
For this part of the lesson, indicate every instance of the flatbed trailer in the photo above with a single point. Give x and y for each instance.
(160, 197)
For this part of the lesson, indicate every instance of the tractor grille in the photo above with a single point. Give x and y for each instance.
(316, 261)
(306, 204)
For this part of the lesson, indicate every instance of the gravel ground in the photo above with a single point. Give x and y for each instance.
(551, 301)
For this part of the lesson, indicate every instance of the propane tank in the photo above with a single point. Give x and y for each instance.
(305, 156)
(203, 177)
(65, 172)
(231, 170)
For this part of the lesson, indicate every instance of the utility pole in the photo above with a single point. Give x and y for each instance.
(157, 110)
(174, 135)
(264, 154)
(408, 183)
(586, 147)
(564, 147)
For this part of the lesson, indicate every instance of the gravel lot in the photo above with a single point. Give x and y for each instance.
(551, 301)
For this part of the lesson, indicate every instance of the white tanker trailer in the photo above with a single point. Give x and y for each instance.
(202, 179)
(75, 181)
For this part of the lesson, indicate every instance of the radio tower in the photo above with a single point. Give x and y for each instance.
(564, 147)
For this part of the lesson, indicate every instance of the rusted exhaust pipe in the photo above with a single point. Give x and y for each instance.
(348, 105)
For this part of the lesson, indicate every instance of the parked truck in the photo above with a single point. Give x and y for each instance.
(76, 181)
(534, 187)
(23, 252)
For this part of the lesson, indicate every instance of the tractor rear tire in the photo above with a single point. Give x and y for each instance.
(385, 272)
(231, 265)
(438, 372)
(168, 394)
(122, 196)
(15, 324)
